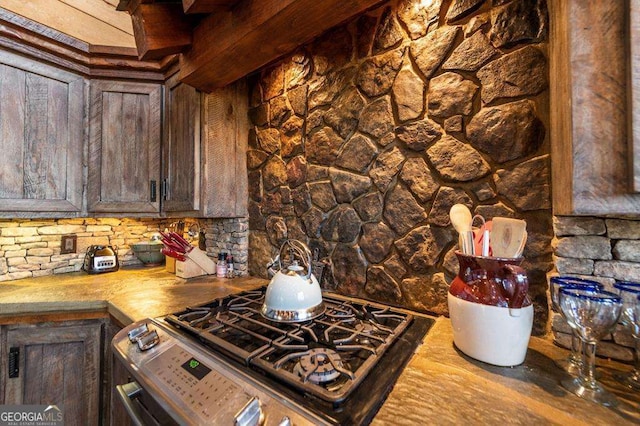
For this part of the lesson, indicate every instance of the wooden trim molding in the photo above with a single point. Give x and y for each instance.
(590, 107)
(634, 92)
(29, 38)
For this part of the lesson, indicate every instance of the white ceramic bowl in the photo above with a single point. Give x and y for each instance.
(491, 334)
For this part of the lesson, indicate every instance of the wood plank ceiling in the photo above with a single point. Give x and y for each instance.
(219, 41)
(96, 22)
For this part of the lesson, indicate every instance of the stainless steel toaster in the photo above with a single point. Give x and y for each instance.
(100, 259)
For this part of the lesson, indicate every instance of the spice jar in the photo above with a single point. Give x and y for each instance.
(221, 266)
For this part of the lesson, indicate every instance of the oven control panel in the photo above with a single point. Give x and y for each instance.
(207, 392)
(196, 387)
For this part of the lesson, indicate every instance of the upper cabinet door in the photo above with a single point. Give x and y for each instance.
(225, 139)
(181, 149)
(41, 137)
(124, 147)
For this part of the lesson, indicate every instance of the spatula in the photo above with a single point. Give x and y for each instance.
(507, 236)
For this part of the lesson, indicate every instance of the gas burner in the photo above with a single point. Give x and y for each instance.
(319, 365)
(365, 328)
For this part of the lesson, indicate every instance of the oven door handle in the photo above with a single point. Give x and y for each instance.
(127, 393)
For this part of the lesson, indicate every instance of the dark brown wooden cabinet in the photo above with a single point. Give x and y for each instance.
(59, 364)
(124, 147)
(181, 149)
(41, 137)
(149, 149)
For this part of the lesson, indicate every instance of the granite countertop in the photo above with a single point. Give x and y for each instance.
(440, 385)
(129, 295)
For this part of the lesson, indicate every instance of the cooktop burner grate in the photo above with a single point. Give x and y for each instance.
(327, 357)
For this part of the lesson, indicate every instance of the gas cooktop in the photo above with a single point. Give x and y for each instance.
(340, 366)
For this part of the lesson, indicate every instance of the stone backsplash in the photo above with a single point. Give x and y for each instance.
(229, 236)
(604, 250)
(31, 248)
(364, 139)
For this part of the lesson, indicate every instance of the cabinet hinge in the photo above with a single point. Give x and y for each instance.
(14, 362)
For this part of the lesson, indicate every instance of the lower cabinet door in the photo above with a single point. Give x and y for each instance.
(56, 365)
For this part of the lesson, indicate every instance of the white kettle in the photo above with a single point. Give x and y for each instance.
(293, 295)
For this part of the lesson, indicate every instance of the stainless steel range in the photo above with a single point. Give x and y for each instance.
(225, 363)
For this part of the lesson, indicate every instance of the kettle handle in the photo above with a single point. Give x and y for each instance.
(301, 249)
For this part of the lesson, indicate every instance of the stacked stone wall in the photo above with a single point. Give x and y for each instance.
(363, 140)
(604, 250)
(31, 248)
(229, 236)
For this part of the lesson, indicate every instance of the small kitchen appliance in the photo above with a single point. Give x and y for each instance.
(293, 295)
(224, 362)
(99, 259)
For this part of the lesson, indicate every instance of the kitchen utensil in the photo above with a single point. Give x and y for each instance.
(507, 236)
(293, 295)
(481, 237)
(177, 247)
(461, 220)
(99, 259)
(593, 314)
(630, 318)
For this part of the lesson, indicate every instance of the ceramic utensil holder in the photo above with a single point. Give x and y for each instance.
(491, 334)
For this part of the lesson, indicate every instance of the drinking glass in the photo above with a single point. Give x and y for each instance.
(630, 318)
(573, 362)
(593, 314)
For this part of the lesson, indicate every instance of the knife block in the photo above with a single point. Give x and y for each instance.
(202, 260)
(188, 269)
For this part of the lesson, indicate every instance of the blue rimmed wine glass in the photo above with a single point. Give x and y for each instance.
(573, 362)
(630, 318)
(592, 314)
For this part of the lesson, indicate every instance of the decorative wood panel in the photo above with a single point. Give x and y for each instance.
(590, 109)
(58, 365)
(181, 148)
(124, 147)
(225, 130)
(41, 137)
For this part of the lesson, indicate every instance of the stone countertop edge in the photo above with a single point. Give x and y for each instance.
(440, 385)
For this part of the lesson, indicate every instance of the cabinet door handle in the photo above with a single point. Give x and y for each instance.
(153, 188)
(14, 362)
(165, 189)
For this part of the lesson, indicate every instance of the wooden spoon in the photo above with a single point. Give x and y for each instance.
(460, 218)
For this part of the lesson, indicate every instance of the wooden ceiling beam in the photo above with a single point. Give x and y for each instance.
(160, 29)
(207, 6)
(229, 45)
